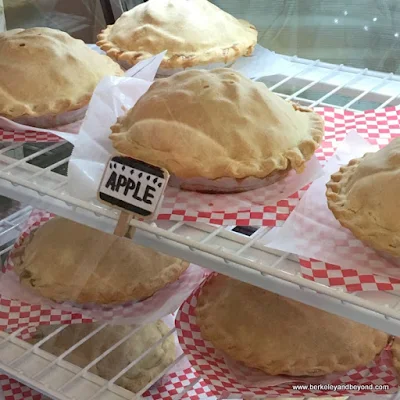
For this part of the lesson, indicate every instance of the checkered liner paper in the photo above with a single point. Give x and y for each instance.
(217, 375)
(15, 314)
(13, 390)
(163, 302)
(377, 126)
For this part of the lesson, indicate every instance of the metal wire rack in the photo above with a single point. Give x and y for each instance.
(239, 253)
(62, 380)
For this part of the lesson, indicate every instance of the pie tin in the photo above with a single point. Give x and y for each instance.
(388, 257)
(226, 185)
(17, 258)
(166, 72)
(218, 373)
(52, 120)
(163, 302)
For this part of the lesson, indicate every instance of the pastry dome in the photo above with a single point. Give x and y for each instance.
(194, 32)
(365, 197)
(143, 372)
(216, 124)
(66, 261)
(46, 71)
(281, 336)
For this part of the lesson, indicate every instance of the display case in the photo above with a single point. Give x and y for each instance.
(336, 59)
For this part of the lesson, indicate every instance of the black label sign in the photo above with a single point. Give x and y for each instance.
(133, 185)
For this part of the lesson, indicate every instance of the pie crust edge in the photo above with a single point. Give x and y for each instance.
(225, 55)
(88, 294)
(336, 200)
(241, 353)
(395, 350)
(296, 157)
(62, 105)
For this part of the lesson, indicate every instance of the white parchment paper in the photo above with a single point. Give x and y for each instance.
(145, 70)
(110, 100)
(224, 372)
(115, 95)
(252, 377)
(163, 302)
(312, 231)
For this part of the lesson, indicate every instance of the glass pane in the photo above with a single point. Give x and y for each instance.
(2, 17)
(360, 33)
(128, 4)
(82, 19)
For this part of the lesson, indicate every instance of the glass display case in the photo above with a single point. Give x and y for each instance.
(72, 324)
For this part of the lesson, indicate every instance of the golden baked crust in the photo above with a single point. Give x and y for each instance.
(46, 71)
(139, 375)
(66, 261)
(395, 349)
(281, 336)
(216, 124)
(193, 32)
(364, 197)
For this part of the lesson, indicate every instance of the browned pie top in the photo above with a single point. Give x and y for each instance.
(143, 372)
(194, 32)
(364, 196)
(66, 261)
(45, 71)
(215, 124)
(281, 336)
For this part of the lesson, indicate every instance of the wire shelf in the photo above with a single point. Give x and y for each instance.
(226, 250)
(62, 380)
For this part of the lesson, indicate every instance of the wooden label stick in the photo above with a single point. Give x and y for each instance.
(134, 187)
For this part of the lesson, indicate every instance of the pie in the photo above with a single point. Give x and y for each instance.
(46, 72)
(194, 33)
(364, 197)
(66, 261)
(395, 349)
(216, 125)
(142, 373)
(281, 336)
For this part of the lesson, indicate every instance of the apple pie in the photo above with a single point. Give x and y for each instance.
(47, 77)
(364, 197)
(281, 336)
(194, 33)
(205, 126)
(395, 349)
(66, 261)
(142, 373)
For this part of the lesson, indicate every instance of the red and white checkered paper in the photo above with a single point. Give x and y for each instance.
(14, 390)
(163, 302)
(348, 279)
(15, 314)
(379, 127)
(178, 382)
(207, 361)
(18, 315)
(28, 137)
